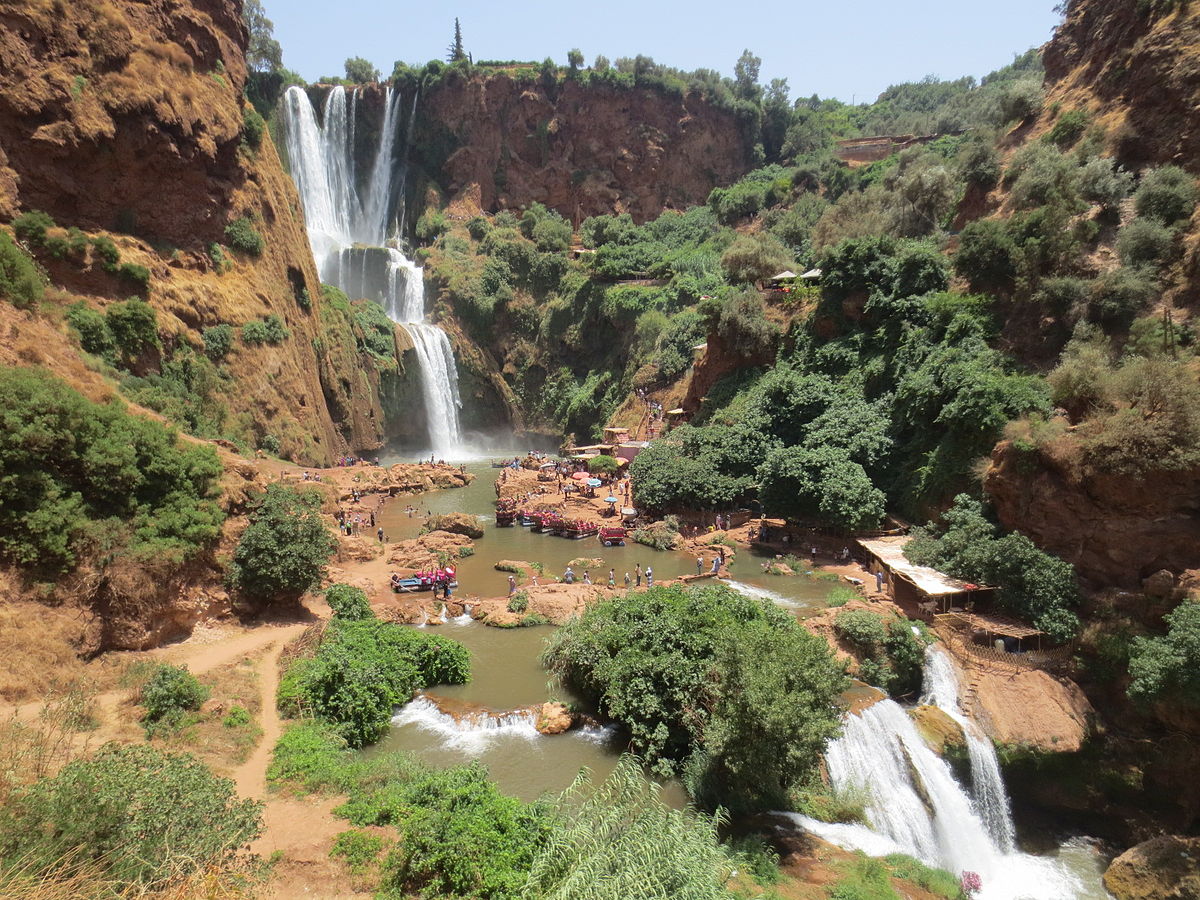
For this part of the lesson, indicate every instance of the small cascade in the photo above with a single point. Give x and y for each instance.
(470, 729)
(757, 593)
(987, 784)
(354, 239)
(914, 805)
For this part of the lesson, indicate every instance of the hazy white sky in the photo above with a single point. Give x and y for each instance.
(836, 49)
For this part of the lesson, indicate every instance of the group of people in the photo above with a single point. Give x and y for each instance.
(345, 462)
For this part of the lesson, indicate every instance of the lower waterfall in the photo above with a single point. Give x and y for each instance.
(914, 804)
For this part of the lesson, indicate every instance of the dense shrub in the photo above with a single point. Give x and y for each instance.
(365, 668)
(92, 328)
(986, 256)
(1041, 176)
(134, 328)
(270, 330)
(1032, 584)
(20, 281)
(1168, 667)
(348, 602)
(754, 258)
(167, 695)
(81, 476)
(377, 330)
(729, 690)
(551, 234)
(253, 128)
(106, 251)
(431, 224)
(135, 274)
(1145, 242)
(240, 235)
(1167, 194)
(31, 227)
(890, 655)
(822, 485)
(459, 836)
(283, 552)
(1100, 181)
(1068, 128)
(144, 817)
(218, 341)
(1119, 295)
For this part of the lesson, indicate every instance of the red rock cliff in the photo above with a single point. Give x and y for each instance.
(128, 116)
(583, 150)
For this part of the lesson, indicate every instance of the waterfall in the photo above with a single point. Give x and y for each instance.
(471, 731)
(914, 804)
(350, 235)
(987, 784)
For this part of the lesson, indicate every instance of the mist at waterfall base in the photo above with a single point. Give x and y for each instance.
(355, 236)
(916, 806)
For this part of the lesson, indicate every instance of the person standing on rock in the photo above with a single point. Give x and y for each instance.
(638, 570)
(612, 577)
(569, 576)
(699, 564)
(649, 577)
(512, 585)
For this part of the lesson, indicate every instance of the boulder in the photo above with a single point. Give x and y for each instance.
(554, 718)
(1164, 868)
(456, 523)
(1161, 584)
(512, 565)
(936, 728)
(357, 549)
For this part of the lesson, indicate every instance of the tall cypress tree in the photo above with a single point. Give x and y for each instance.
(455, 51)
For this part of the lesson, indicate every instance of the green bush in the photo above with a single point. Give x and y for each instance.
(220, 261)
(1167, 194)
(134, 327)
(518, 602)
(890, 655)
(20, 282)
(348, 602)
(82, 477)
(459, 836)
(135, 274)
(92, 328)
(309, 755)
(377, 330)
(169, 693)
(253, 128)
(478, 227)
(365, 668)
(238, 717)
(742, 695)
(1118, 296)
(1100, 182)
(1168, 667)
(218, 341)
(283, 552)
(986, 256)
(270, 330)
(602, 465)
(146, 818)
(754, 258)
(107, 252)
(31, 227)
(1145, 242)
(822, 485)
(360, 849)
(240, 235)
(431, 225)
(1069, 128)
(551, 235)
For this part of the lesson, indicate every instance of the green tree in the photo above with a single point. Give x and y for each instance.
(754, 258)
(728, 689)
(146, 818)
(745, 76)
(348, 602)
(360, 70)
(575, 59)
(1168, 667)
(282, 553)
(823, 485)
(20, 282)
(168, 694)
(1167, 194)
(263, 53)
(134, 328)
(454, 52)
(987, 256)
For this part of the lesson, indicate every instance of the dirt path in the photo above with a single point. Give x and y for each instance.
(251, 776)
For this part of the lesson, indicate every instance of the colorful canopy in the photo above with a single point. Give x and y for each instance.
(579, 476)
(594, 482)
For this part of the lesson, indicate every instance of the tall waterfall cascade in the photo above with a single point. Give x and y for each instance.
(354, 238)
(915, 805)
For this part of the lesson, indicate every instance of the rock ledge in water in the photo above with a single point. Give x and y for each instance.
(554, 718)
(456, 523)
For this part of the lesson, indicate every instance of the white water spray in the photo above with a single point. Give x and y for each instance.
(350, 236)
(472, 732)
(987, 784)
(914, 805)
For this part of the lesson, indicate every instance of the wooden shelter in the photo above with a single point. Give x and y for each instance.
(928, 589)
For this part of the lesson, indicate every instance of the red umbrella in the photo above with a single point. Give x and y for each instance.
(580, 476)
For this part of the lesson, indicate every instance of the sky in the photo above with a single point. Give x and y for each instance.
(851, 51)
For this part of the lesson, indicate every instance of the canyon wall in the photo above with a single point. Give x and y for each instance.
(127, 117)
(584, 150)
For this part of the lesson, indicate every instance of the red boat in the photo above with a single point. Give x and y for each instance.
(613, 536)
(576, 529)
(506, 513)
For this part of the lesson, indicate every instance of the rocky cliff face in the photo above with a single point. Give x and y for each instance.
(127, 117)
(1115, 530)
(1136, 67)
(583, 150)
